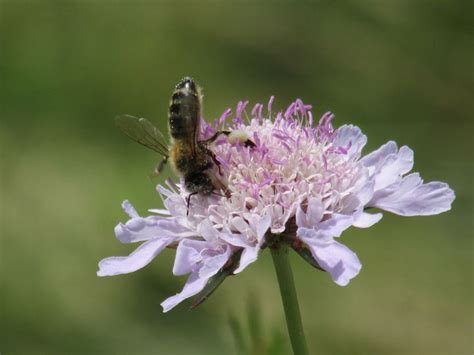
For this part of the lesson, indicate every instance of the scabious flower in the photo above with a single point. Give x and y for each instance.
(301, 184)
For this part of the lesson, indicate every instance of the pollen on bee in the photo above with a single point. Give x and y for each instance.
(238, 136)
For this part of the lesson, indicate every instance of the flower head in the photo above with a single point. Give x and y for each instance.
(301, 184)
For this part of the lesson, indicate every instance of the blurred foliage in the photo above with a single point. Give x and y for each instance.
(400, 70)
(251, 339)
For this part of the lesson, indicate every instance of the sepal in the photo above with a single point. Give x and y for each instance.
(305, 253)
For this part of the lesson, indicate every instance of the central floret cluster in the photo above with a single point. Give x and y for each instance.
(305, 182)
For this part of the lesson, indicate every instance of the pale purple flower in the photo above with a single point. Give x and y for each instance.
(300, 184)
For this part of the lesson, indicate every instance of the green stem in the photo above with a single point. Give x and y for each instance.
(290, 300)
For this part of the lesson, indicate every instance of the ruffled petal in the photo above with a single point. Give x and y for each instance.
(313, 215)
(193, 285)
(366, 220)
(129, 209)
(363, 191)
(332, 256)
(141, 257)
(235, 239)
(207, 230)
(212, 264)
(411, 197)
(253, 234)
(186, 258)
(392, 168)
(301, 218)
(334, 226)
(139, 229)
(249, 255)
(372, 160)
(194, 255)
(160, 211)
(262, 227)
(351, 137)
(337, 259)
(174, 203)
(240, 224)
(314, 212)
(204, 260)
(325, 231)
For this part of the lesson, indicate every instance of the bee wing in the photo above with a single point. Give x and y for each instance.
(144, 132)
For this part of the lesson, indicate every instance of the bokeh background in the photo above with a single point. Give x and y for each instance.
(401, 70)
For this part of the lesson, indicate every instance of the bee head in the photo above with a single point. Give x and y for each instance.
(187, 83)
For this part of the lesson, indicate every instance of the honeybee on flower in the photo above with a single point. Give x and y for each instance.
(300, 183)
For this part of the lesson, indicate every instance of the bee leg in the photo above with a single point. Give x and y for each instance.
(215, 136)
(188, 202)
(247, 143)
(160, 166)
(214, 159)
(218, 184)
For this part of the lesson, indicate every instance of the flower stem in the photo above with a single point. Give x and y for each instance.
(290, 300)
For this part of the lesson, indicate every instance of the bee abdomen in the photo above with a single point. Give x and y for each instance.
(186, 83)
(184, 110)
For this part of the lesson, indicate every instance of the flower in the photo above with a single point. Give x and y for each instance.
(300, 184)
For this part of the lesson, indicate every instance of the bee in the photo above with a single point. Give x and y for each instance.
(191, 157)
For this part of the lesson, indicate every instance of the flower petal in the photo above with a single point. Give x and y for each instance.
(352, 137)
(187, 256)
(362, 192)
(249, 255)
(313, 215)
(262, 226)
(392, 168)
(240, 224)
(366, 220)
(337, 259)
(138, 259)
(411, 197)
(201, 258)
(212, 264)
(139, 229)
(332, 256)
(334, 226)
(160, 211)
(315, 211)
(301, 218)
(193, 285)
(374, 159)
(208, 231)
(129, 209)
(235, 239)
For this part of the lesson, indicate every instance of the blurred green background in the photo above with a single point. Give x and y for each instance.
(401, 70)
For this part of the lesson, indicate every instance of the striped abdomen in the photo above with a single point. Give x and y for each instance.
(185, 111)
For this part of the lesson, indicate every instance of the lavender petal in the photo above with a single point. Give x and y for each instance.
(138, 259)
(411, 197)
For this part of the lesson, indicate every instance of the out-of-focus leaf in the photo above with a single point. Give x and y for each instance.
(238, 335)
(278, 344)
(254, 317)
